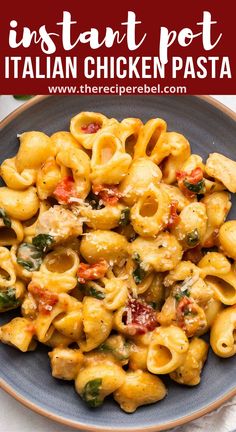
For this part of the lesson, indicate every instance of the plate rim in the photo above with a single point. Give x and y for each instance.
(36, 99)
(77, 424)
(83, 426)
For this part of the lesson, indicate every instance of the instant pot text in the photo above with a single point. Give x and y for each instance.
(49, 65)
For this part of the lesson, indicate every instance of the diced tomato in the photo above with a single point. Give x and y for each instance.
(109, 194)
(173, 217)
(194, 177)
(92, 271)
(182, 306)
(65, 190)
(45, 299)
(90, 128)
(139, 317)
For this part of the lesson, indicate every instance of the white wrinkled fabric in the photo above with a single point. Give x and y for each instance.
(221, 420)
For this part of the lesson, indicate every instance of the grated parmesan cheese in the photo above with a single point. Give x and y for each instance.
(189, 282)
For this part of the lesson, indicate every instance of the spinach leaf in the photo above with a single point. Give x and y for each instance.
(22, 97)
(124, 217)
(195, 188)
(29, 256)
(5, 218)
(136, 257)
(182, 294)
(94, 201)
(90, 291)
(43, 242)
(105, 347)
(91, 393)
(121, 352)
(192, 238)
(138, 275)
(82, 286)
(8, 299)
(95, 293)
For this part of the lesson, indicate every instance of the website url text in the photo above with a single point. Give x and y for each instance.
(117, 89)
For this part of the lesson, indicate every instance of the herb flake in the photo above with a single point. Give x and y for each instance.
(178, 296)
(29, 257)
(8, 299)
(119, 352)
(124, 217)
(43, 242)
(91, 393)
(195, 187)
(139, 273)
(94, 201)
(5, 218)
(192, 238)
(95, 293)
(22, 97)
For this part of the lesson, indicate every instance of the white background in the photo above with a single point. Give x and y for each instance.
(16, 418)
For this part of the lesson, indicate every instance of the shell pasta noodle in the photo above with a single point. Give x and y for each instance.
(115, 253)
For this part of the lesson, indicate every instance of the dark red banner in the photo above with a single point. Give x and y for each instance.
(124, 47)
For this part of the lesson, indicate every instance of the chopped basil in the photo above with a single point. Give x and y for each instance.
(192, 238)
(139, 273)
(121, 352)
(188, 312)
(94, 201)
(136, 257)
(104, 347)
(5, 218)
(8, 299)
(91, 393)
(22, 97)
(43, 242)
(124, 217)
(90, 291)
(29, 256)
(127, 347)
(195, 187)
(95, 293)
(182, 294)
(154, 305)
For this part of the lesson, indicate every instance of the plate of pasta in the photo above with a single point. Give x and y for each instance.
(118, 259)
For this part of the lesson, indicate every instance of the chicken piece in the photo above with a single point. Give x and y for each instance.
(65, 363)
(60, 223)
(183, 311)
(223, 169)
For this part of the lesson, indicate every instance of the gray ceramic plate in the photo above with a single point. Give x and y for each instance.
(209, 127)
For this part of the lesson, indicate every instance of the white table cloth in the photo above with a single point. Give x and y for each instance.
(16, 418)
